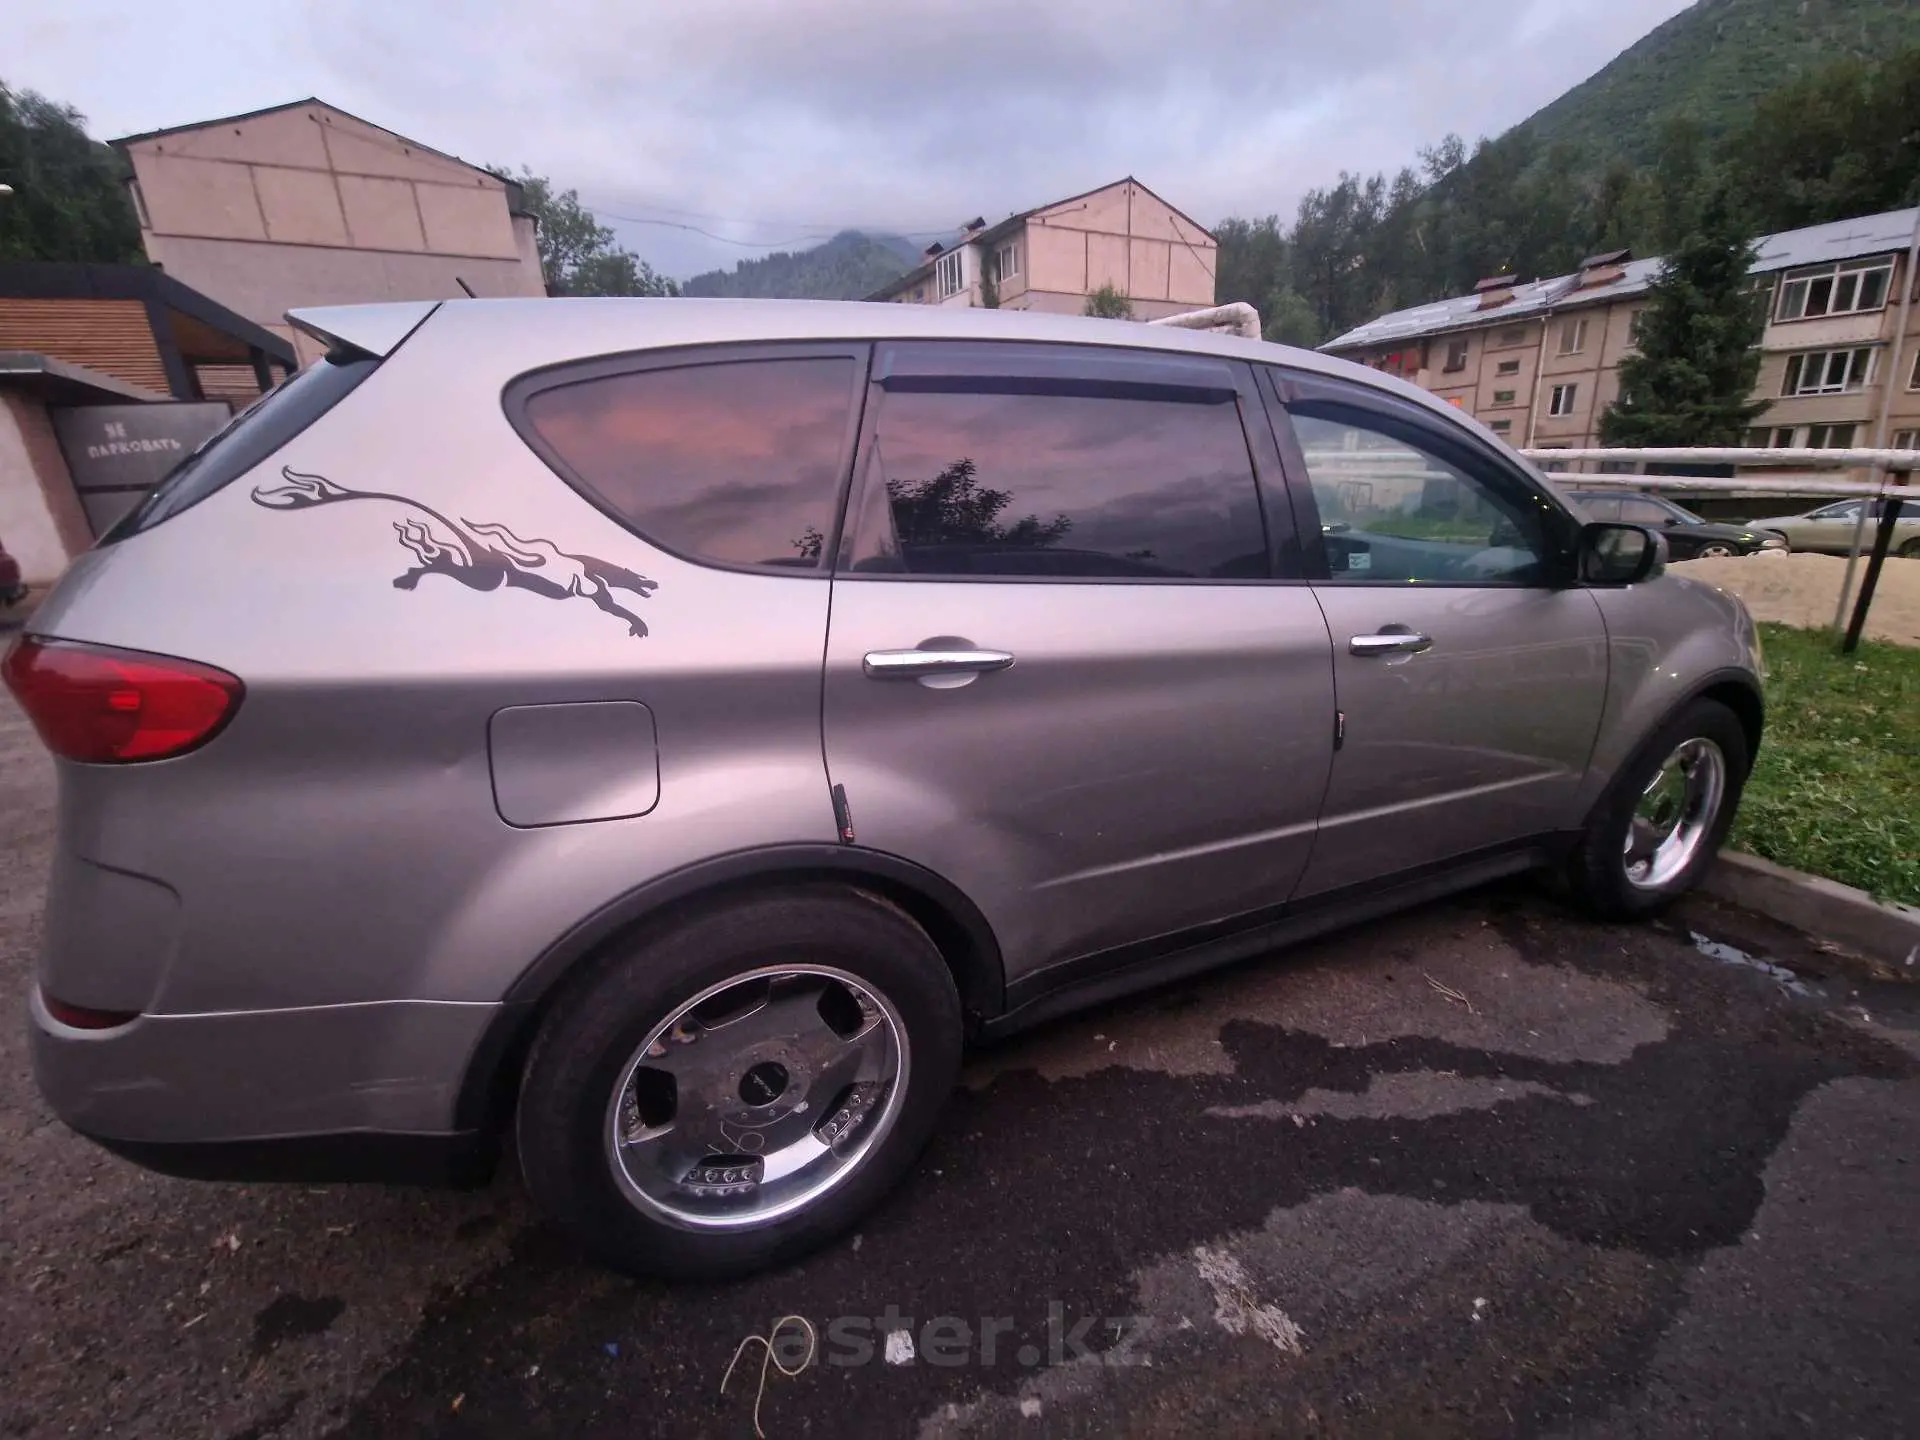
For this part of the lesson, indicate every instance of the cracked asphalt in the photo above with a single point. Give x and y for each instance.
(1482, 1169)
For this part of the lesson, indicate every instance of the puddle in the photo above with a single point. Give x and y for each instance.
(1734, 955)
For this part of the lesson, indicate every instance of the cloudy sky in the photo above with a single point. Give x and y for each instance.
(771, 123)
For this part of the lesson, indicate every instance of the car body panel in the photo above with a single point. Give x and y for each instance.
(1481, 740)
(352, 920)
(1830, 529)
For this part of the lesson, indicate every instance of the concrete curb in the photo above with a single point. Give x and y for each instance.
(1824, 909)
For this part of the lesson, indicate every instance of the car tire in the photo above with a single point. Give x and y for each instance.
(1714, 550)
(1684, 782)
(1910, 550)
(739, 976)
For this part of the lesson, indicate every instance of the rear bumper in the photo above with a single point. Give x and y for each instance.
(324, 1092)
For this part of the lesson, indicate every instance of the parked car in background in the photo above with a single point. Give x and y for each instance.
(464, 742)
(1831, 528)
(1689, 536)
(12, 588)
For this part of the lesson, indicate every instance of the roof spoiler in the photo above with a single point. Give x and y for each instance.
(374, 331)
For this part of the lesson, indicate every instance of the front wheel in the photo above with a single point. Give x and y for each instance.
(1713, 550)
(1662, 821)
(735, 1089)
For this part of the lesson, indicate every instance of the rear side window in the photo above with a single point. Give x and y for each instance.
(737, 463)
(1064, 485)
(250, 437)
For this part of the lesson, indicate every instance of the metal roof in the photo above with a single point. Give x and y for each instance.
(1836, 240)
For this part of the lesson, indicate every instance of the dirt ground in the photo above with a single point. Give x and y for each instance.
(1803, 589)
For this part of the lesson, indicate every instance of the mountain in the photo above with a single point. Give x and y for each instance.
(1711, 63)
(851, 265)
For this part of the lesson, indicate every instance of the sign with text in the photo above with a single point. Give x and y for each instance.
(117, 453)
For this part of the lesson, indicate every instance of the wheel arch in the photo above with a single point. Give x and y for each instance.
(955, 925)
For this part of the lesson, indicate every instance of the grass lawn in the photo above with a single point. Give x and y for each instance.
(1837, 787)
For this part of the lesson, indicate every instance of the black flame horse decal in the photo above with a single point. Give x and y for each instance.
(480, 556)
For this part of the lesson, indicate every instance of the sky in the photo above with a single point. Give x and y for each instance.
(769, 124)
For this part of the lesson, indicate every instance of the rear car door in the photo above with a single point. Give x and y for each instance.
(1470, 673)
(1130, 731)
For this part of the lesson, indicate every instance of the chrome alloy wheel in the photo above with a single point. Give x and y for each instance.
(757, 1096)
(1674, 814)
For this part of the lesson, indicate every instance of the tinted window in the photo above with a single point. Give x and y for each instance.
(1089, 486)
(737, 462)
(250, 437)
(1645, 512)
(1393, 511)
(1599, 507)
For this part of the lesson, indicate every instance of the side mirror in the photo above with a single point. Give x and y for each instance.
(1615, 554)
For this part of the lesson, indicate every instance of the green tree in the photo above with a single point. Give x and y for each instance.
(1691, 377)
(69, 199)
(1107, 303)
(579, 255)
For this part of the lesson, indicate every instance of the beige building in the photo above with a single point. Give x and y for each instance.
(304, 204)
(1052, 258)
(1538, 362)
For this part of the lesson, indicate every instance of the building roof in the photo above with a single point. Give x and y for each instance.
(1013, 222)
(1837, 240)
(72, 280)
(60, 383)
(512, 184)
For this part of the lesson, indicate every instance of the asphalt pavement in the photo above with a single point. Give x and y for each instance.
(1484, 1169)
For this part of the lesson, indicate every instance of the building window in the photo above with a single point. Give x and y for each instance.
(1772, 437)
(1828, 372)
(1456, 355)
(1619, 467)
(1512, 367)
(1562, 400)
(948, 276)
(1829, 437)
(1512, 335)
(1913, 376)
(1843, 289)
(1573, 336)
(1906, 440)
(1501, 427)
(1503, 397)
(1006, 260)
(139, 205)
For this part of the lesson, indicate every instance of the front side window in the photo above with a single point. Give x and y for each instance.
(948, 275)
(972, 481)
(1847, 510)
(738, 462)
(1599, 507)
(1561, 401)
(1393, 511)
(1828, 372)
(1637, 511)
(1846, 288)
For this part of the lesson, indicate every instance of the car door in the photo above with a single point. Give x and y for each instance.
(1469, 671)
(1060, 671)
(1828, 530)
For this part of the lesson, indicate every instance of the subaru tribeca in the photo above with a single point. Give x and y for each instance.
(665, 732)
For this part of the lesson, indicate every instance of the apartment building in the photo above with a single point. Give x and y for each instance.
(1537, 362)
(304, 204)
(1052, 258)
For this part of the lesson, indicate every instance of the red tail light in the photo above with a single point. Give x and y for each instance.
(107, 706)
(85, 1017)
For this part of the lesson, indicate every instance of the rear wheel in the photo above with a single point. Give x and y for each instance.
(732, 1091)
(1662, 821)
(1911, 550)
(1713, 549)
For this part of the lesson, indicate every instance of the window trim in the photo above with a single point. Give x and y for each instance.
(941, 292)
(1052, 367)
(1793, 373)
(1453, 440)
(1806, 275)
(523, 388)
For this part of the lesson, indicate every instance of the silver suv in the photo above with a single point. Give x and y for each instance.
(666, 732)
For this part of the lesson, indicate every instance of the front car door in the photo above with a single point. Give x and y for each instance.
(1828, 530)
(1470, 672)
(1061, 671)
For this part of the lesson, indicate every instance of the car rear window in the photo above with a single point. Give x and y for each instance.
(247, 439)
(736, 462)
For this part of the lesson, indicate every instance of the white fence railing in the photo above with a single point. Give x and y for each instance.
(1883, 465)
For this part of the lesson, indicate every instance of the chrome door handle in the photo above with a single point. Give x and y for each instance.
(918, 664)
(1389, 643)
